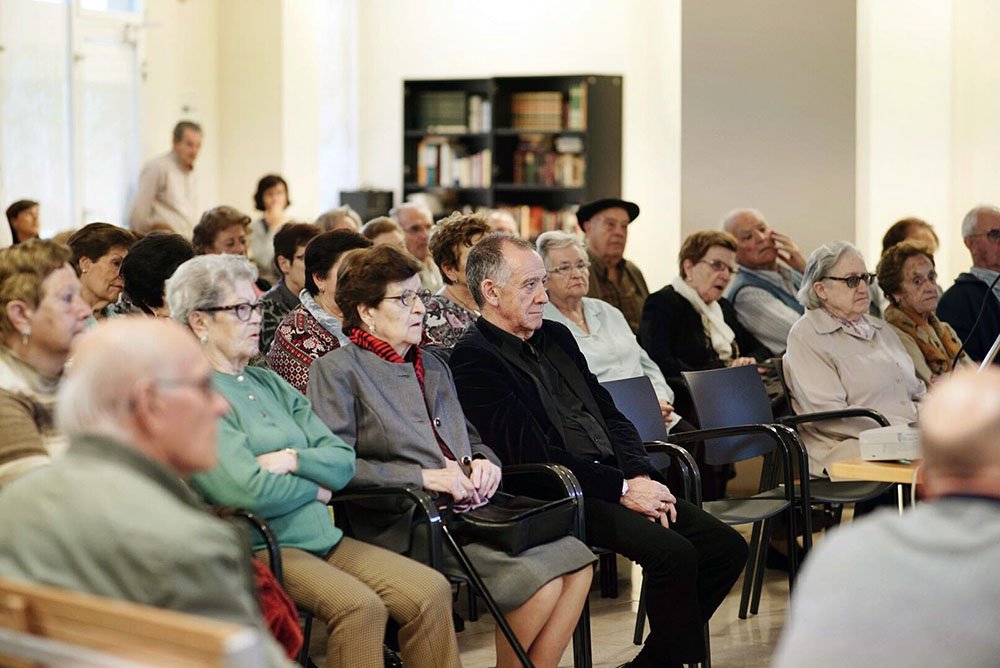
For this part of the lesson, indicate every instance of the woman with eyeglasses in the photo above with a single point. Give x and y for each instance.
(278, 459)
(314, 327)
(841, 357)
(452, 310)
(600, 329)
(399, 409)
(907, 275)
(689, 326)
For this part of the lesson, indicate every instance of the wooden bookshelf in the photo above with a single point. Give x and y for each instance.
(537, 146)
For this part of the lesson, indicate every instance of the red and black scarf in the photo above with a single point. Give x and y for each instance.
(372, 344)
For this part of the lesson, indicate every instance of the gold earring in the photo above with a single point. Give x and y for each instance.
(25, 335)
(372, 327)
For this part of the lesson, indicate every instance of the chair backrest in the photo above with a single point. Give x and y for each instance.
(731, 397)
(40, 622)
(636, 399)
(779, 370)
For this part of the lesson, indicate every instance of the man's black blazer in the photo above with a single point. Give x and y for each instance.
(505, 402)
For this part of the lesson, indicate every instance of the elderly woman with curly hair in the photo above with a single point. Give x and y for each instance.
(278, 459)
(42, 313)
(907, 275)
(399, 409)
(841, 357)
(453, 310)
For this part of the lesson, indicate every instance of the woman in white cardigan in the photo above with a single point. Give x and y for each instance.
(601, 331)
(840, 357)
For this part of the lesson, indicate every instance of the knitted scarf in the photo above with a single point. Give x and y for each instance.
(722, 336)
(377, 346)
(936, 341)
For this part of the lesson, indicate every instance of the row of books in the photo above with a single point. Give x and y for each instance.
(538, 160)
(550, 111)
(533, 220)
(443, 164)
(480, 114)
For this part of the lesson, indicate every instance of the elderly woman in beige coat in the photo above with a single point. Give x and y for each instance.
(840, 357)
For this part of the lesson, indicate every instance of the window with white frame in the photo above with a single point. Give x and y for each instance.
(68, 108)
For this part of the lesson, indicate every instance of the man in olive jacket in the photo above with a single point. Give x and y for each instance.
(113, 517)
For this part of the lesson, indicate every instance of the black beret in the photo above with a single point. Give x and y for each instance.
(591, 209)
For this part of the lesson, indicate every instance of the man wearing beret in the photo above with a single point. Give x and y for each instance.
(613, 279)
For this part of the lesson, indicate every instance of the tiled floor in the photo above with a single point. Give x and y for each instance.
(736, 643)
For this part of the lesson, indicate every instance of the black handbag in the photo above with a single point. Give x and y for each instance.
(515, 523)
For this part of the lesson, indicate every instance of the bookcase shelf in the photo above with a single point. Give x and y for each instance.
(535, 145)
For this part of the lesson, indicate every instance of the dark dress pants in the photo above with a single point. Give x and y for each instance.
(689, 570)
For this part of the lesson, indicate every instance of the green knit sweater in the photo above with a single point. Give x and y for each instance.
(267, 414)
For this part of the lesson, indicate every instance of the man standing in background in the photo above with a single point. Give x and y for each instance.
(167, 197)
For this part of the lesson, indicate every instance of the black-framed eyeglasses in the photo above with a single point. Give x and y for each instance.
(993, 236)
(853, 281)
(409, 297)
(243, 310)
(719, 265)
(581, 266)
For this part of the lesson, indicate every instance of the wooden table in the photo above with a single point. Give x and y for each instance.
(861, 469)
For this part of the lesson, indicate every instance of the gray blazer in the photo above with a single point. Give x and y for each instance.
(377, 407)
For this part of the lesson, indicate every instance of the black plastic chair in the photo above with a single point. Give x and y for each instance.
(636, 399)
(735, 396)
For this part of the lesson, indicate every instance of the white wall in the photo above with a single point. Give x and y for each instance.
(638, 39)
(905, 121)
(768, 115)
(182, 82)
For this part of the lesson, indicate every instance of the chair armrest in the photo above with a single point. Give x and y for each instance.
(424, 500)
(260, 525)
(551, 481)
(690, 474)
(785, 437)
(794, 420)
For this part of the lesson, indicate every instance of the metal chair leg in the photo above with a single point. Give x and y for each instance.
(476, 581)
(582, 655)
(754, 562)
(640, 616)
(758, 580)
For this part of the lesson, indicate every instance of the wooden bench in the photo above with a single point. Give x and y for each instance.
(41, 625)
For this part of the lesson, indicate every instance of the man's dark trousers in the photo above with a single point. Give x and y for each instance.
(680, 596)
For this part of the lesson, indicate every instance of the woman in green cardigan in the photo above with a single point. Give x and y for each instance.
(278, 459)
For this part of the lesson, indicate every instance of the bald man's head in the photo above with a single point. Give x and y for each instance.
(145, 382)
(960, 434)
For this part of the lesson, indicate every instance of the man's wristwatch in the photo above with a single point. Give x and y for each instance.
(624, 487)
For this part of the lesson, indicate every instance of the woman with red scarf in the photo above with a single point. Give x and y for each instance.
(397, 406)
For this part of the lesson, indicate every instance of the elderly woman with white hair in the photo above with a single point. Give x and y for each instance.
(601, 331)
(277, 458)
(841, 357)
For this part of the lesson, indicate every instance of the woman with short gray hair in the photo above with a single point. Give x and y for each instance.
(600, 329)
(841, 357)
(278, 459)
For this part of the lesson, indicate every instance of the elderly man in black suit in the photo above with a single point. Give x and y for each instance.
(526, 387)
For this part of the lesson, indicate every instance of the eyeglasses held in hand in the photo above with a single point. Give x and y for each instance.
(852, 281)
(719, 265)
(992, 236)
(409, 297)
(566, 269)
(243, 309)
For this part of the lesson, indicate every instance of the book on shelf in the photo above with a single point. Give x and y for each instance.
(442, 111)
(540, 160)
(480, 113)
(576, 107)
(541, 111)
(533, 220)
(441, 163)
